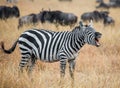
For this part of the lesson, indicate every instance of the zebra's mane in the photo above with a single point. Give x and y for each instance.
(76, 29)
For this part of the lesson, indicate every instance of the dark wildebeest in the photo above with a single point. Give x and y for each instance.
(68, 19)
(108, 21)
(7, 12)
(99, 1)
(98, 16)
(103, 5)
(95, 16)
(114, 3)
(59, 17)
(45, 15)
(12, 1)
(39, 17)
(27, 20)
(103, 14)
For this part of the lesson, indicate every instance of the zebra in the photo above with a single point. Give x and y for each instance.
(51, 46)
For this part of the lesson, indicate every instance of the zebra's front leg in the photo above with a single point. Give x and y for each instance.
(62, 72)
(71, 70)
(62, 68)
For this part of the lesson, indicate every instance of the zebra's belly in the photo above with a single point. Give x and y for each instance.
(51, 61)
(49, 58)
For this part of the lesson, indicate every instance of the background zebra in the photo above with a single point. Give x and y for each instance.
(53, 46)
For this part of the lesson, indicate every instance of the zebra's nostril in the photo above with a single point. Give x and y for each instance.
(99, 36)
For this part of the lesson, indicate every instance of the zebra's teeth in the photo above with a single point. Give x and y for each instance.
(97, 42)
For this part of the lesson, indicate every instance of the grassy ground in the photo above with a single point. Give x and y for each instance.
(95, 67)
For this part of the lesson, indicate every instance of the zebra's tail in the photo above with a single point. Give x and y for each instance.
(9, 51)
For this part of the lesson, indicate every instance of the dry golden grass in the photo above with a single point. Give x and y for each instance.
(95, 67)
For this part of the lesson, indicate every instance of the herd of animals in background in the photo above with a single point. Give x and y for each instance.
(15, 1)
(98, 16)
(58, 17)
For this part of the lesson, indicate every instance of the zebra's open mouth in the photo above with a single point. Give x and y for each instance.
(97, 38)
(97, 42)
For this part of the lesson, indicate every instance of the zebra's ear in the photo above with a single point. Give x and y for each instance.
(81, 24)
(91, 23)
(82, 27)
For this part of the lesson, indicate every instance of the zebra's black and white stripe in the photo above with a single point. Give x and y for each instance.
(50, 46)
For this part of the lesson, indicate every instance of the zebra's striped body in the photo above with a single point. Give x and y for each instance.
(48, 45)
(52, 46)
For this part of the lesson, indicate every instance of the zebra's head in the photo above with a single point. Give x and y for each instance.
(90, 35)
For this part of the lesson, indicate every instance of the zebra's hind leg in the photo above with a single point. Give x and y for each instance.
(23, 64)
(71, 71)
(24, 61)
(31, 65)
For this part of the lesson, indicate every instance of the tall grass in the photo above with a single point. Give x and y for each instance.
(95, 67)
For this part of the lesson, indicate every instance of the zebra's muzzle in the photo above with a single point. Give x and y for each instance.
(97, 42)
(97, 39)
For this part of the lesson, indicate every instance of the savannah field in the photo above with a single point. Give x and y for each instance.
(95, 67)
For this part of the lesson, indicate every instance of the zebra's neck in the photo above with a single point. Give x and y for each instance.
(77, 39)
